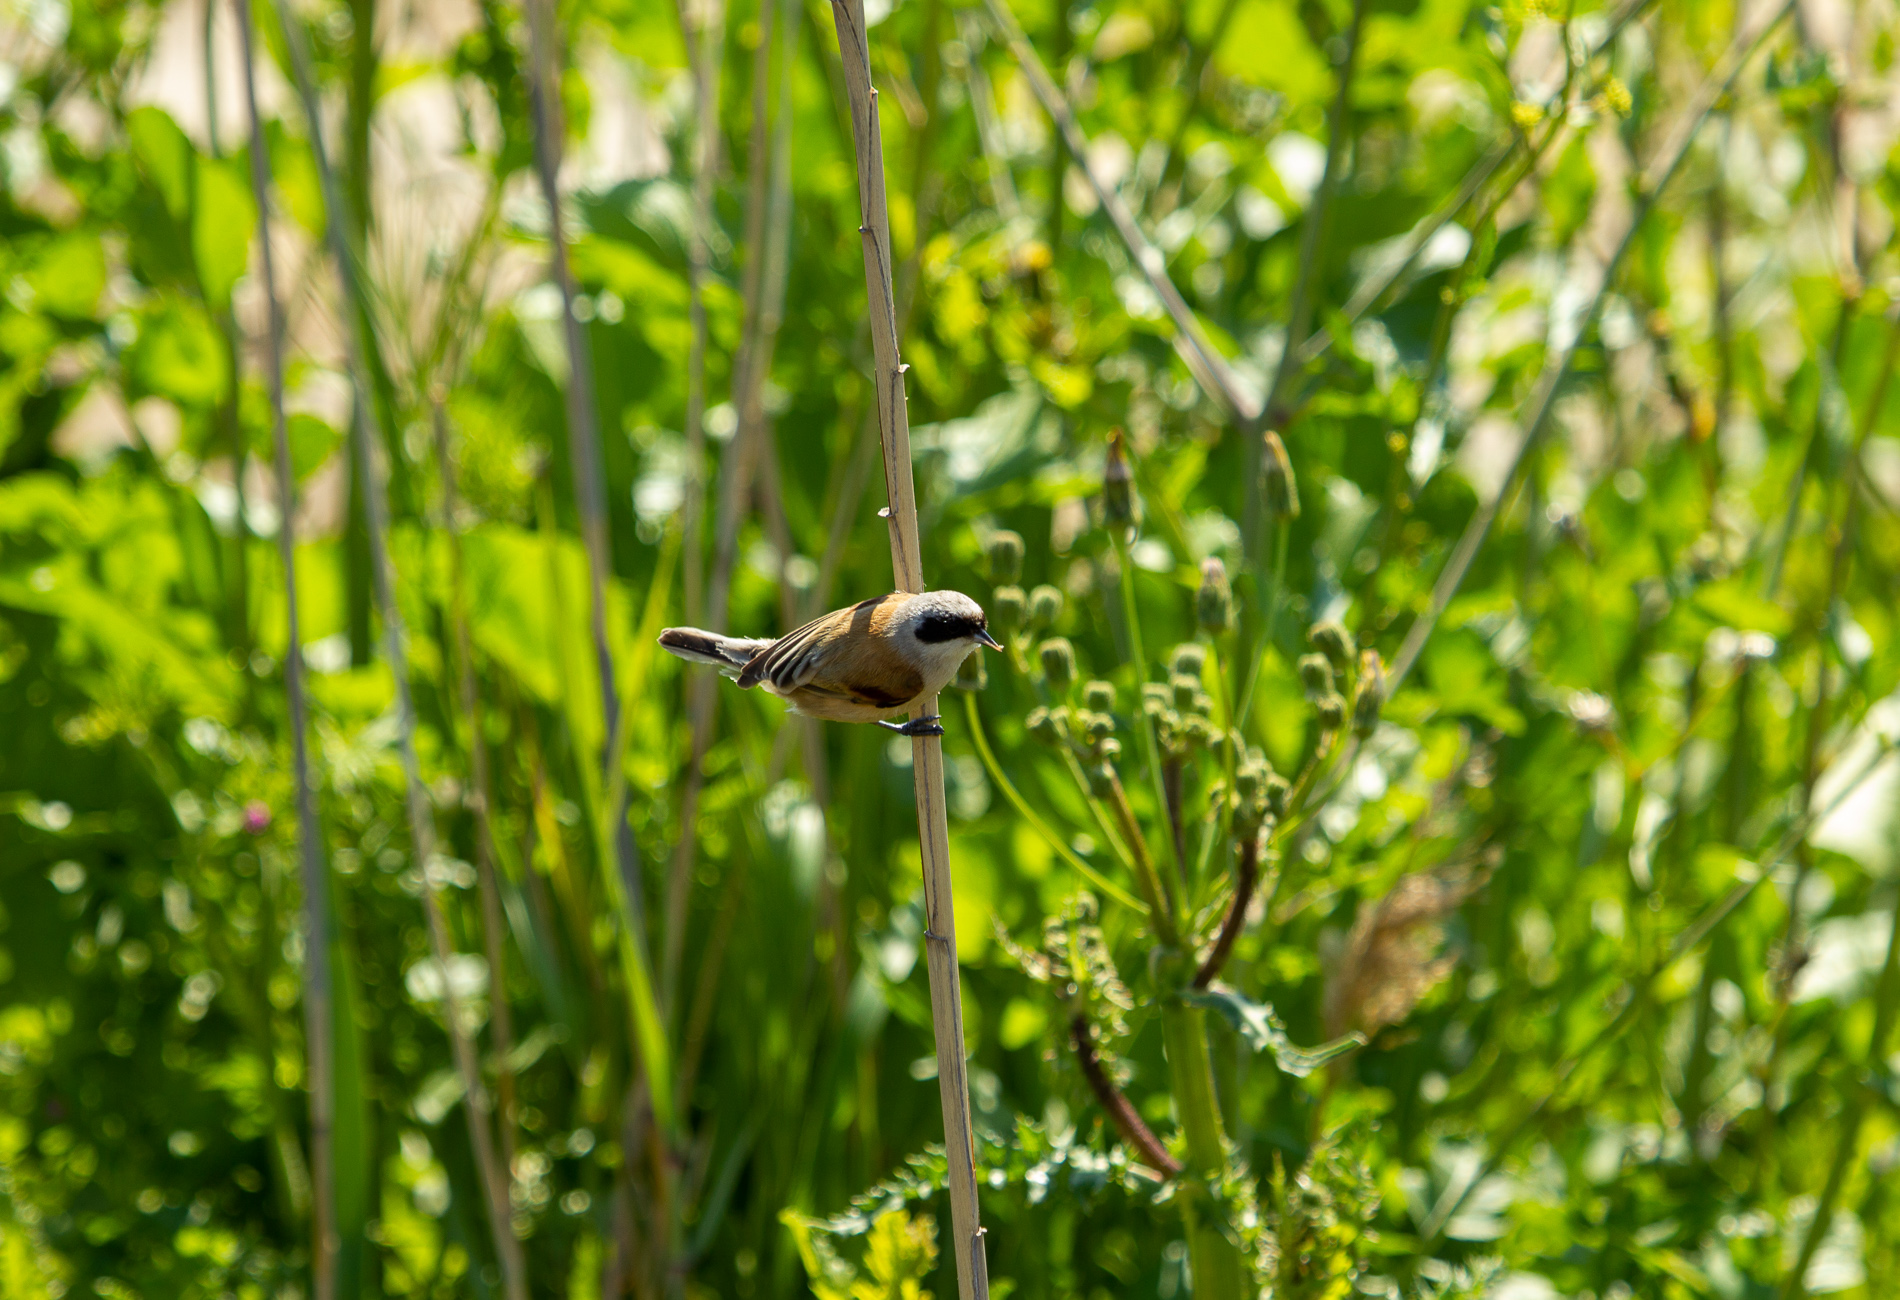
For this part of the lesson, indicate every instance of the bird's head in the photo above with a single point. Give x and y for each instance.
(944, 626)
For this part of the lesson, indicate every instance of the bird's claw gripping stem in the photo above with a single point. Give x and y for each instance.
(930, 726)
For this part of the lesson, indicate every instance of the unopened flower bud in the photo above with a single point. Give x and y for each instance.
(1187, 660)
(1058, 663)
(1199, 730)
(1100, 696)
(1247, 781)
(1184, 690)
(1330, 709)
(1099, 726)
(1316, 674)
(1335, 642)
(1006, 556)
(1277, 790)
(1118, 487)
(1214, 603)
(1045, 607)
(1365, 709)
(973, 674)
(1154, 699)
(1041, 724)
(1282, 494)
(1110, 749)
(1102, 780)
(1006, 611)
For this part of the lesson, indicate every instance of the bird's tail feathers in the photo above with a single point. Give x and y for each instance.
(726, 653)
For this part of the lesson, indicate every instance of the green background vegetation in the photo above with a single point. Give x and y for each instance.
(1600, 1060)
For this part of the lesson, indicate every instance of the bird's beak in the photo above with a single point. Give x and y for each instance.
(984, 638)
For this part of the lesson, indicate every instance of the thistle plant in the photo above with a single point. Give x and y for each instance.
(1189, 825)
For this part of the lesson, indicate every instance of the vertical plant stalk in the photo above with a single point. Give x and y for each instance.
(946, 997)
(702, 35)
(590, 476)
(318, 1050)
(421, 823)
(501, 1019)
(1557, 370)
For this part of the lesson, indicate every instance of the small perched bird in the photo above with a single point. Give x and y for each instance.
(868, 663)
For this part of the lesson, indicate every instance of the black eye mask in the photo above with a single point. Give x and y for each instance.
(938, 628)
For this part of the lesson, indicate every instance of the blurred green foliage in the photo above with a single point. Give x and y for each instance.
(1669, 673)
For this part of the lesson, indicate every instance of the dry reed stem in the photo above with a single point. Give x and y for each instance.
(1197, 351)
(946, 999)
(590, 488)
(421, 823)
(318, 1048)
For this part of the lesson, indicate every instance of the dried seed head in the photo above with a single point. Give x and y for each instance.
(1391, 959)
(1281, 492)
(1316, 674)
(1006, 556)
(1045, 607)
(973, 673)
(1330, 709)
(1371, 699)
(1100, 696)
(1006, 611)
(1058, 663)
(1335, 642)
(1187, 660)
(1119, 506)
(1214, 603)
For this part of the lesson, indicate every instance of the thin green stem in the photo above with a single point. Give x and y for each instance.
(1028, 814)
(1150, 743)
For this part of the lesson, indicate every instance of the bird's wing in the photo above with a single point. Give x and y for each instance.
(829, 657)
(789, 662)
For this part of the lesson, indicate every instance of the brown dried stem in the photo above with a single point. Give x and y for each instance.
(906, 562)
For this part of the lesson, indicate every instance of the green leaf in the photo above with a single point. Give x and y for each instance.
(70, 275)
(1262, 1031)
(223, 218)
(164, 154)
(179, 355)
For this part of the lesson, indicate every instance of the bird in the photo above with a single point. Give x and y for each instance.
(868, 662)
